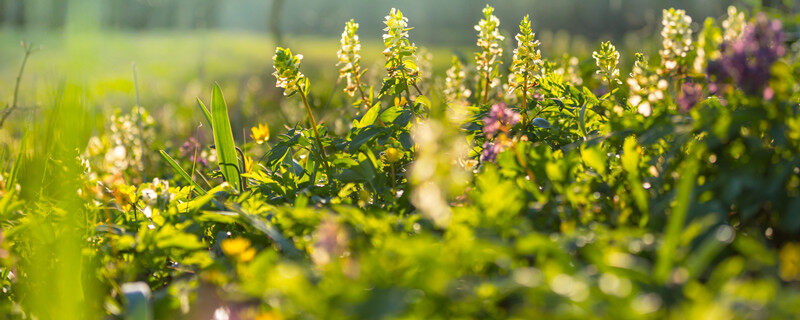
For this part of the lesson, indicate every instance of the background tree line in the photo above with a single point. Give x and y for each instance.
(592, 18)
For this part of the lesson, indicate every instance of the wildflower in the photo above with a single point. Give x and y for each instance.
(238, 248)
(607, 60)
(490, 151)
(331, 242)
(677, 39)
(392, 155)
(189, 147)
(489, 40)
(400, 53)
(645, 87)
(350, 57)
(260, 133)
(569, 70)
(733, 26)
(454, 89)
(287, 72)
(790, 262)
(691, 94)
(708, 41)
(747, 60)
(527, 61)
(500, 120)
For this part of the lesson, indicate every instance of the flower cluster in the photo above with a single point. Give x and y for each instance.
(454, 88)
(733, 26)
(496, 126)
(400, 52)
(349, 55)
(607, 60)
(527, 60)
(489, 40)
(691, 94)
(677, 39)
(155, 195)
(645, 87)
(569, 70)
(192, 150)
(747, 60)
(708, 41)
(287, 72)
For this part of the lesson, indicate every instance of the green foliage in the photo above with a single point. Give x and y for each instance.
(630, 201)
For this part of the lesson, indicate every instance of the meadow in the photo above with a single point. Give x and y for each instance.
(213, 174)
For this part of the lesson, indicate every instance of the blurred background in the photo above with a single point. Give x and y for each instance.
(180, 47)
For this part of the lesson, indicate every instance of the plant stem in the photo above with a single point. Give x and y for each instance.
(141, 121)
(316, 135)
(8, 110)
(486, 89)
(524, 102)
(364, 97)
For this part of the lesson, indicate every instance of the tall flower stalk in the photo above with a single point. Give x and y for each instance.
(349, 55)
(490, 41)
(288, 76)
(676, 43)
(607, 60)
(454, 89)
(525, 65)
(401, 66)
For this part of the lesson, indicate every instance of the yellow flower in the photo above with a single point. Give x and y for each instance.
(790, 262)
(248, 164)
(269, 316)
(238, 249)
(260, 133)
(392, 155)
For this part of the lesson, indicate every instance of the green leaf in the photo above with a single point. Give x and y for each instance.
(369, 117)
(12, 176)
(223, 139)
(541, 123)
(630, 163)
(423, 100)
(680, 209)
(206, 113)
(177, 168)
(364, 136)
(391, 113)
(582, 120)
(594, 158)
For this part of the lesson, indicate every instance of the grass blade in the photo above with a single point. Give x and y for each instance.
(205, 112)
(223, 139)
(12, 177)
(177, 168)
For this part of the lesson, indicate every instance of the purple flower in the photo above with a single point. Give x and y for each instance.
(490, 151)
(747, 60)
(191, 149)
(500, 119)
(691, 94)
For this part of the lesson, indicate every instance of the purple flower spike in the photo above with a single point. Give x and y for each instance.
(490, 151)
(747, 60)
(691, 94)
(500, 119)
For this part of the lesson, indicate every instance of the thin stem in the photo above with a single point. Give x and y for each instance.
(486, 89)
(316, 135)
(8, 110)
(524, 102)
(141, 121)
(364, 96)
